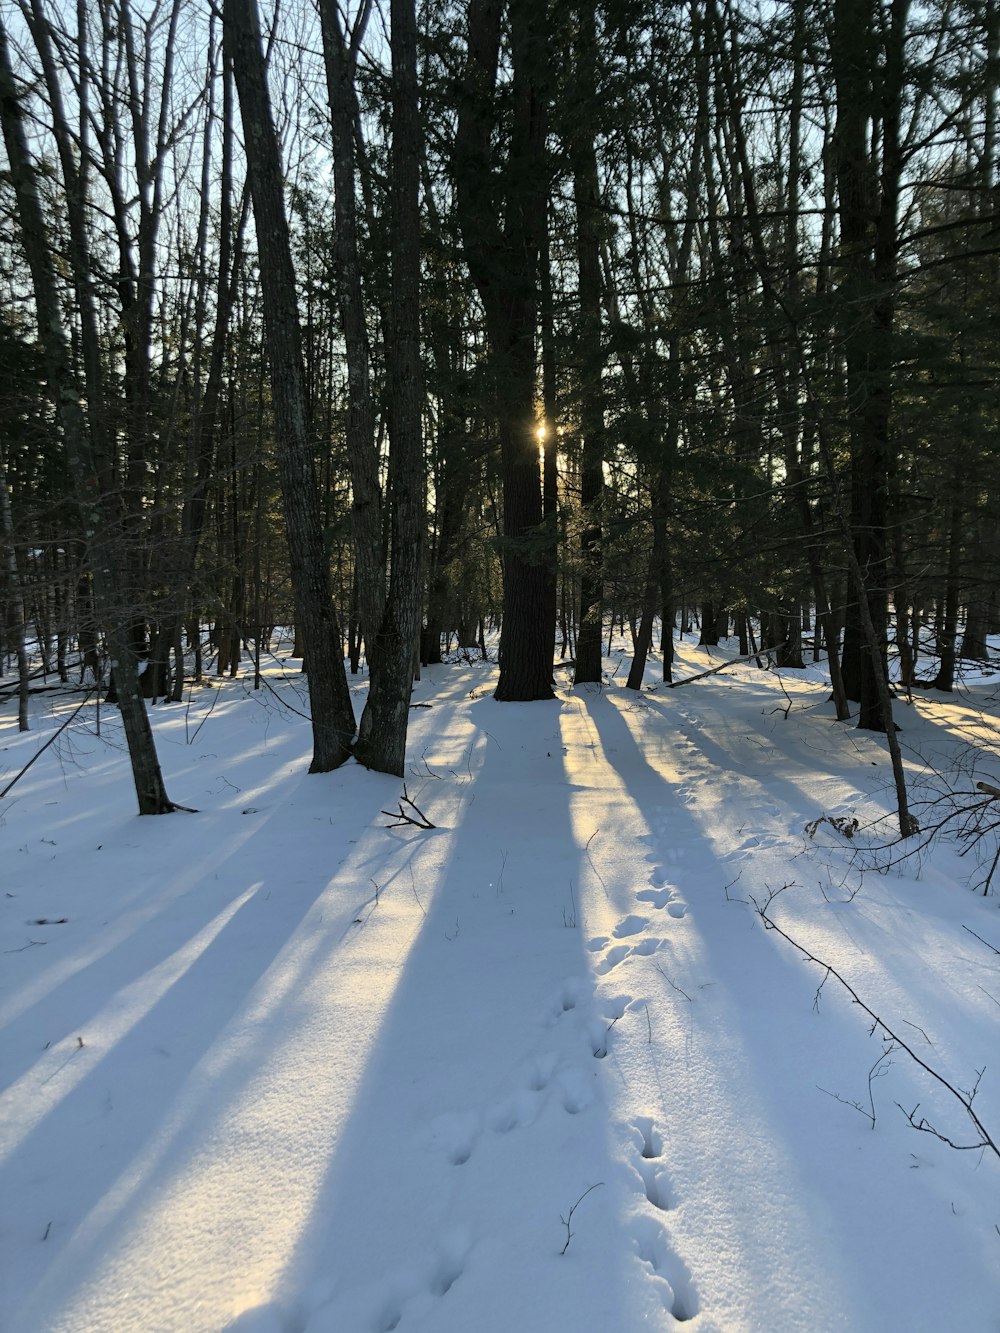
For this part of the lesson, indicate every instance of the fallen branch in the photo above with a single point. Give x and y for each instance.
(733, 661)
(965, 1099)
(418, 819)
(982, 941)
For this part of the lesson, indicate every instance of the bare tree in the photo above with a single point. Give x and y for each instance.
(330, 699)
(96, 497)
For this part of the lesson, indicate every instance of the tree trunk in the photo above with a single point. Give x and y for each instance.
(503, 260)
(16, 600)
(382, 739)
(868, 205)
(340, 58)
(316, 617)
(589, 356)
(100, 519)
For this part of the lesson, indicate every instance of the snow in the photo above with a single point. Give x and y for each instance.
(276, 1066)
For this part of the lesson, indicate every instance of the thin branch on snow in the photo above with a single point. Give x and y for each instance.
(982, 941)
(418, 819)
(965, 1099)
(566, 1220)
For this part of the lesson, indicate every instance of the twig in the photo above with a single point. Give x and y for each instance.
(75, 1051)
(38, 754)
(878, 1070)
(982, 941)
(566, 1220)
(418, 819)
(215, 699)
(593, 867)
(671, 984)
(965, 1100)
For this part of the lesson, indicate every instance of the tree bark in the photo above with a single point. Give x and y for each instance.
(340, 55)
(99, 513)
(589, 358)
(382, 740)
(16, 601)
(316, 617)
(503, 260)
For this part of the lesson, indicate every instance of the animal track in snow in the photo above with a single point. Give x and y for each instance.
(575, 1091)
(652, 1244)
(571, 993)
(656, 1186)
(658, 897)
(616, 955)
(663, 895)
(630, 926)
(540, 1074)
(599, 1030)
(456, 1133)
(649, 1137)
(516, 1111)
(421, 1287)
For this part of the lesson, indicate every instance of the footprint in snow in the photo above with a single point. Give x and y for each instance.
(540, 1072)
(456, 1134)
(663, 895)
(630, 926)
(658, 897)
(612, 958)
(647, 946)
(655, 1185)
(652, 1244)
(601, 1029)
(516, 1111)
(617, 955)
(648, 1138)
(421, 1289)
(576, 1091)
(571, 993)
(653, 1248)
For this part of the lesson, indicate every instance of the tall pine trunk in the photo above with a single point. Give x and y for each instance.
(503, 257)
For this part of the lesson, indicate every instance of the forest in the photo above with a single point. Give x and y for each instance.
(516, 480)
(407, 324)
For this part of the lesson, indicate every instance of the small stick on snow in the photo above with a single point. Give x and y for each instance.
(982, 941)
(418, 819)
(566, 1220)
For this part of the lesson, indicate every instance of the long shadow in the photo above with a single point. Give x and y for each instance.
(758, 1020)
(125, 1129)
(480, 1118)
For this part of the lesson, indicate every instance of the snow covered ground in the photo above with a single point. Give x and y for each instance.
(541, 1069)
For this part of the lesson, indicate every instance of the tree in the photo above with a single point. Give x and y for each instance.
(330, 700)
(583, 155)
(393, 651)
(89, 465)
(502, 215)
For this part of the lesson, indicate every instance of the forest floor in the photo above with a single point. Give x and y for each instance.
(280, 1067)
